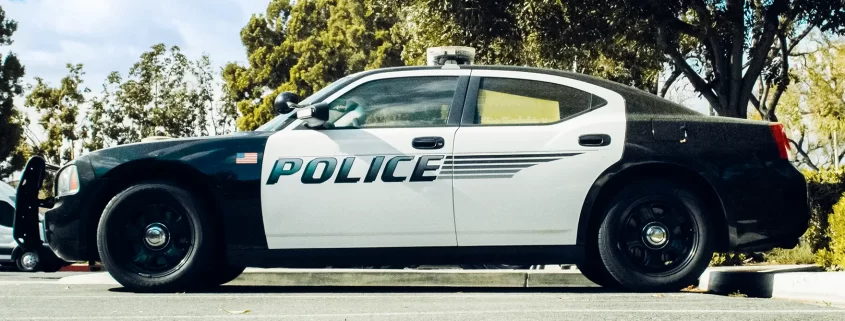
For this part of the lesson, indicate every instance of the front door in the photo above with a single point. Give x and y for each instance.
(529, 148)
(371, 178)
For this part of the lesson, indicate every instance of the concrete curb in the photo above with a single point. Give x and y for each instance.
(411, 278)
(806, 282)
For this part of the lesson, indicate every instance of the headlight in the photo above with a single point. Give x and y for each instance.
(67, 182)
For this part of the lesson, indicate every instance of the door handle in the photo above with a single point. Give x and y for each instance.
(428, 142)
(594, 140)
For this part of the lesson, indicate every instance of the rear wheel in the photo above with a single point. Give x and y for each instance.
(29, 261)
(655, 237)
(155, 237)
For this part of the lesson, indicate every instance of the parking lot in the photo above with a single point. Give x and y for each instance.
(42, 296)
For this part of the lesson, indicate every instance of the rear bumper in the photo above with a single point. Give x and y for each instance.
(771, 209)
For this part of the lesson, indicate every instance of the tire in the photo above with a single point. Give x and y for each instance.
(663, 262)
(156, 237)
(593, 268)
(226, 274)
(29, 261)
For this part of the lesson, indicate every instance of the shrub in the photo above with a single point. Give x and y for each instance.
(801, 254)
(833, 256)
(824, 188)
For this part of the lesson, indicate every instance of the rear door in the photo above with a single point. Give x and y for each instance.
(529, 148)
(371, 179)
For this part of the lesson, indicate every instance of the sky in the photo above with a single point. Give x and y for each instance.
(110, 35)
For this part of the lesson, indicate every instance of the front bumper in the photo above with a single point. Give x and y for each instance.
(66, 228)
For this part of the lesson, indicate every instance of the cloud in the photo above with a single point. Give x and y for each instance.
(110, 35)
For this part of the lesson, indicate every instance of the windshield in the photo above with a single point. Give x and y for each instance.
(277, 121)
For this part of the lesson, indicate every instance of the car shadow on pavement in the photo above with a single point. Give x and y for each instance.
(231, 289)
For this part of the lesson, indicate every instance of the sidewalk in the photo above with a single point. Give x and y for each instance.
(794, 282)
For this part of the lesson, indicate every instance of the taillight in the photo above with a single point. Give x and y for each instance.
(780, 139)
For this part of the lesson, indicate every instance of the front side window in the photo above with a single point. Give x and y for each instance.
(505, 101)
(395, 102)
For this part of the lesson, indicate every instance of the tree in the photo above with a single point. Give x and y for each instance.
(12, 123)
(814, 107)
(165, 93)
(737, 45)
(59, 108)
(568, 35)
(304, 47)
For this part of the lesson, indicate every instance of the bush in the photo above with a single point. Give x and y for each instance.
(824, 189)
(801, 254)
(833, 256)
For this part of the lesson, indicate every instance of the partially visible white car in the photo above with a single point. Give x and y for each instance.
(27, 261)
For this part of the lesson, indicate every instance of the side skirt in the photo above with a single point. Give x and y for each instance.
(319, 258)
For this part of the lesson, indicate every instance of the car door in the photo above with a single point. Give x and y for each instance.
(529, 148)
(370, 180)
(7, 217)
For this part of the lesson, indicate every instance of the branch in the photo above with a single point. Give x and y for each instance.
(674, 76)
(783, 82)
(804, 154)
(764, 45)
(696, 81)
(684, 27)
(800, 37)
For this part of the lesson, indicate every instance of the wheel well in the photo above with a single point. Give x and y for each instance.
(127, 175)
(693, 180)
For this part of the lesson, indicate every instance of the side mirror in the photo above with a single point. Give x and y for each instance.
(315, 115)
(285, 102)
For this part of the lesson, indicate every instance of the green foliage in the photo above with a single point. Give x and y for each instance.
(12, 122)
(801, 254)
(59, 108)
(824, 188)
(834, 256)
(813, 108)
(728, 259)
(164, 94)
(568, 35)
(304, 47)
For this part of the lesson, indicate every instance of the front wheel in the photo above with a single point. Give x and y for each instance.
(656, 236)
(155, 237)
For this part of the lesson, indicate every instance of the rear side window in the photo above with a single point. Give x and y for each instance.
(505, 101)
(7, 214)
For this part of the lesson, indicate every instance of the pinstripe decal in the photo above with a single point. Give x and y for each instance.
(494, 166)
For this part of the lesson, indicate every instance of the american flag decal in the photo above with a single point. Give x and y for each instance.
(246, 158)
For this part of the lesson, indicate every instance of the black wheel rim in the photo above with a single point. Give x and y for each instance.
(658, 236)
(155, 241)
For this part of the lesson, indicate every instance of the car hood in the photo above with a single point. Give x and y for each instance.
(199, 152)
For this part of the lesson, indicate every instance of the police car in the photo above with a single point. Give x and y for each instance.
(452, 163)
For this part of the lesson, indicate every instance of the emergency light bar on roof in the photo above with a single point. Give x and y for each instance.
(451, 55)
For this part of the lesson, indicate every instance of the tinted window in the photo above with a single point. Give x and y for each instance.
(519, 101)
(7, 214)
(398, 102)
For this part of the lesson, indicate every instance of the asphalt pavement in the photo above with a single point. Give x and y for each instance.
(40, 296)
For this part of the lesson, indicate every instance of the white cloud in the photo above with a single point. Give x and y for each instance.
(110, 35)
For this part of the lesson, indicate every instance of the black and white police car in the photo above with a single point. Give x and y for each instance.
(447, 164)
